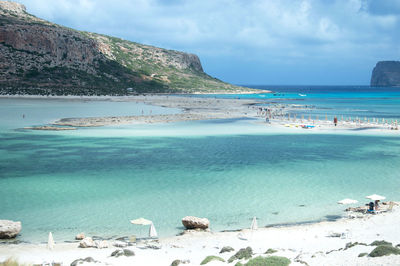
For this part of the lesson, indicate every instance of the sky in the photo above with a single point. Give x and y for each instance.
(253, 42)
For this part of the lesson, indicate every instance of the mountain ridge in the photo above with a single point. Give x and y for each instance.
(40, 57)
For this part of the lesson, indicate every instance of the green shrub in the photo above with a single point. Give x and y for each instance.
(270, 251)
(211, 258)
(243, 253)
(268, 261)
(176, 263)
(384, 250)
(10, 262)
(380, 243)
(226, 249)
(362, 254)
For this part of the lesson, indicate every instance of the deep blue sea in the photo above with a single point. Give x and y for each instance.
(97, 179)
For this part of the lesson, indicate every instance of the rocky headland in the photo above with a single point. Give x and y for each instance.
(386, 74)
(38, 57)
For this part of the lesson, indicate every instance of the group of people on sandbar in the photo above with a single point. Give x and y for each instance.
(372, 207)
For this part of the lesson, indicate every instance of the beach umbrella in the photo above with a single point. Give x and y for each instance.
(152, 231)
(254, 225)
(375, 197)
(141, 221)
(50, 242)
(347, 201)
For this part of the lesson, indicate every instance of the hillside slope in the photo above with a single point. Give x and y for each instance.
(39, 57)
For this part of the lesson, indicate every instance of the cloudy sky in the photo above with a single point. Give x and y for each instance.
(274, 42)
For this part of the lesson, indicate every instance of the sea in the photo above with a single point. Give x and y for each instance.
(95, 180)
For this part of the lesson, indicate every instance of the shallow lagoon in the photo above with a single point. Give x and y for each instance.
(96, 180)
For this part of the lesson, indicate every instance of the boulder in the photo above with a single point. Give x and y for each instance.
(87, 242)
(82, 261)
(192, 222)
(120, 244)
(80, 236)
(101, 244)
(9, 229)
(123, 252)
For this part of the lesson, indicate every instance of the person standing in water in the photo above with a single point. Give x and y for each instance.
(335, 121)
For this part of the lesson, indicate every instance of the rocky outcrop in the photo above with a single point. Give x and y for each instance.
(192, 222)
(87, 242)
(39, 57)
(386, 74)
(9, 229)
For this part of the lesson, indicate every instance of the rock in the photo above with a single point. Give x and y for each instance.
(128, 252)
(120, 244)
(87, 242)
(117, 253)
(386, 74)
(380, 243)
(176, 262)
(80, 236)
(384, 250)
(9, 229)
(192, 222)
(226, 249)
(101, 244)
(123, 252)
(81, 261)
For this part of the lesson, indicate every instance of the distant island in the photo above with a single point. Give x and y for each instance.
(42, 58)
(386, 74)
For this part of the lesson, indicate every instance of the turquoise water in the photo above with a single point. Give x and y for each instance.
(346, 101)
(96, 180)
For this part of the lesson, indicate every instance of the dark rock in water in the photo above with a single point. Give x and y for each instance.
(9, 229)
(80, 261)
(386, 74)
(227, 249)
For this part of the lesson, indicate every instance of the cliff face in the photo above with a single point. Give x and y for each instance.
(39, 57)
(386, 74)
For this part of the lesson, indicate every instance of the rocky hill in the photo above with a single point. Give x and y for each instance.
(386, 74)
(39, 57)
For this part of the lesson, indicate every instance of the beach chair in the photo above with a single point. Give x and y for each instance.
(389, 209)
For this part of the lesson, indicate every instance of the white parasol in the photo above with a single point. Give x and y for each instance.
(141, 221)
(152, 231)
(254, 225)
(347, 201)
(375, 197)
(50, 242)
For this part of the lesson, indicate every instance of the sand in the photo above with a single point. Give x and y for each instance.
(309, 243)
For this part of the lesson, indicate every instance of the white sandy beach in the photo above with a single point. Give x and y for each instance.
(310, 243)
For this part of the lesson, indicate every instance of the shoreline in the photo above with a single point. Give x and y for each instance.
(281, 117)
(321, 243)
